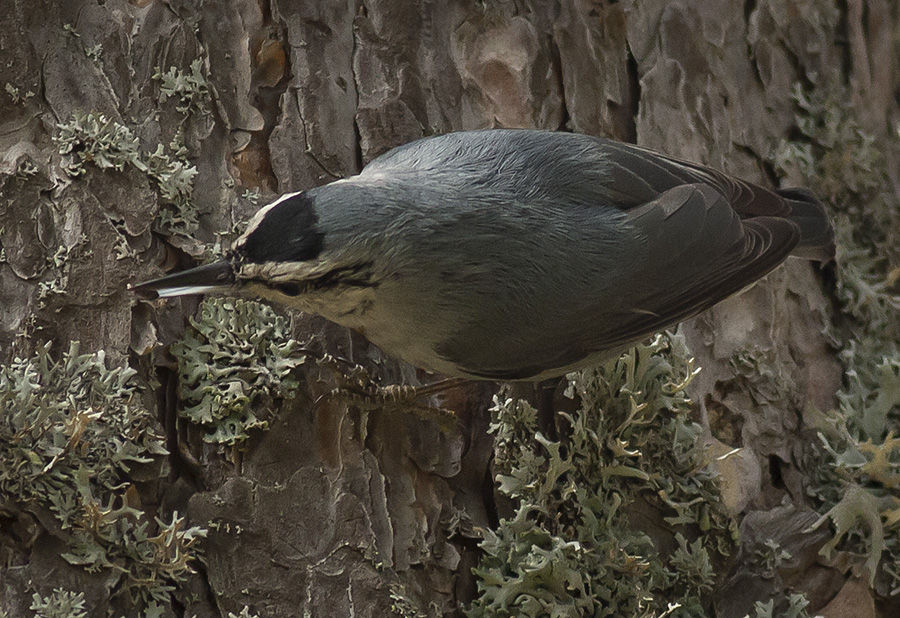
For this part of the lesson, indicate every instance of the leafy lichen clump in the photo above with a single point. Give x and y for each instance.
(574, 546)
(854, 469)
(234, 361)
(94, 138)
(71, 432)
(108, 144)
(796, 608)
(59, 604)
(191, 88)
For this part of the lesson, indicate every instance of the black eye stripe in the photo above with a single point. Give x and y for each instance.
(288, 289)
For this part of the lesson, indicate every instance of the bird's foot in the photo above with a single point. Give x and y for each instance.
(359, 389)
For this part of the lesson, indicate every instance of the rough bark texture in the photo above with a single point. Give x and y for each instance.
(337, 512)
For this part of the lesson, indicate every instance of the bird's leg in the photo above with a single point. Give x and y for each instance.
(406, 399)
(359, 389)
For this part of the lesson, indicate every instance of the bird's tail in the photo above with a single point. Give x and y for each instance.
(816, 233)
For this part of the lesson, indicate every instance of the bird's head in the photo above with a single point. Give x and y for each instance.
(282, 256)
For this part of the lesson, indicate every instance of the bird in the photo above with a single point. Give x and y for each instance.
(513, 254)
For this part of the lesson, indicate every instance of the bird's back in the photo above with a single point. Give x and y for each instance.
(518, 254)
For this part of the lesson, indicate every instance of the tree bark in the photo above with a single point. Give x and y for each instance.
(340, 510)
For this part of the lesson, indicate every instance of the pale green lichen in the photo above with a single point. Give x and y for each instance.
(59, 604)
(402, 605)
(152, 557)
(60, 263)
(233, 363)
(572, 547)
(93, 138)
(854, 469)
(15, 93)
(175, 180)
(70, 429)
(834, 151)
(190, 88)
(26, 168)
(797, 604)
(93, 51)
(251, 195)
(71, 432)
(771, 556)
(108, 144)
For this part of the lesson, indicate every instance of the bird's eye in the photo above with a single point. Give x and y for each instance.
(288, 289)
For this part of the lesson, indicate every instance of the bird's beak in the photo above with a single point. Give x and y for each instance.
(217, 276)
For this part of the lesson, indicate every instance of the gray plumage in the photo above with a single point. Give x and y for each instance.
(515, 254)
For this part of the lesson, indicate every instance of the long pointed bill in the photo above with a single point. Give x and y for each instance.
(217, 276)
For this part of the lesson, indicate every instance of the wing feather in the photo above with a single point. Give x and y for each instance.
(696, 252)
(662, 240)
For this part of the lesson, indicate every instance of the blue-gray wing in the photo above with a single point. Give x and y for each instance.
(624, 242)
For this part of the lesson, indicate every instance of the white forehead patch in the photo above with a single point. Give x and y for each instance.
(260, 214)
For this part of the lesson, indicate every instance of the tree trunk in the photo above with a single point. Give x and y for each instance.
(139, 136)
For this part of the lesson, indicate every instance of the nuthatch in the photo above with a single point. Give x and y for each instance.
(514, 254)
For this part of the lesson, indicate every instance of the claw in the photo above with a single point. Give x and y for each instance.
(360, 390)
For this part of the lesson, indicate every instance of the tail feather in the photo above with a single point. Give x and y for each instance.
(816, 233)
